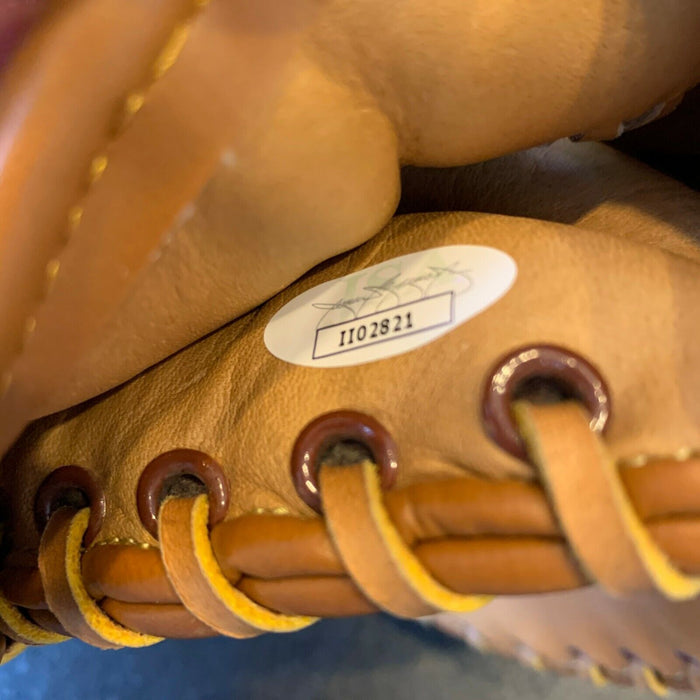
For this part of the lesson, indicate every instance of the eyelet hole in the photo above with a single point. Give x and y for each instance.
(541, 374)
(74, 498)
(340, 453)
(340, 438)
(70, 487)
(181, 473)
(182, 486)
(543, 391)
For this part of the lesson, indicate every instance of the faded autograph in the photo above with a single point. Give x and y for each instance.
(387, 288)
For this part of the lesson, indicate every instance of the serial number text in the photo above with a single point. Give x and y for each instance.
(401, 321)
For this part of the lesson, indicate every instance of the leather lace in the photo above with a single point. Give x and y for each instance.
(443, 545)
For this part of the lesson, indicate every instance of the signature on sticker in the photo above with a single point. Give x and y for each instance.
(387, 288)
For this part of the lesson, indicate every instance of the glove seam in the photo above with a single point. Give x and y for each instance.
(130, 106)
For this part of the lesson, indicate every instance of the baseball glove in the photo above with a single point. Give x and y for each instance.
(167, 165)
(486, 419)
(350, 447)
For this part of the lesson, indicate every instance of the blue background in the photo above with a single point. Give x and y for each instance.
(370, 657)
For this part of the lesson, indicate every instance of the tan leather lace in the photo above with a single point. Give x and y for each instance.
(441, 545)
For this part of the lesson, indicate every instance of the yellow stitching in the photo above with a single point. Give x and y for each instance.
(279, 510)
(527, 656)
(682, 454)
(29, 326)
(131, 105)
(654, 682)
(52, 268)
(98, 167)
(638, 461)
(596, 674)
(171, 51)
(124, 542)
(75, 216)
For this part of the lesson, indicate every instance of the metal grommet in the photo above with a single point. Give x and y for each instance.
(179, 463)
(73, 487)
(577, 379)
(336, 427)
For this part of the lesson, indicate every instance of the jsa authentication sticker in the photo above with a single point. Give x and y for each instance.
(390, 308)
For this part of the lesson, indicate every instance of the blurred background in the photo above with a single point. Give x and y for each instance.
(369, 657)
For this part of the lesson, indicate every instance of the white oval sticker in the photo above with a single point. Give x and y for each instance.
(390, 308)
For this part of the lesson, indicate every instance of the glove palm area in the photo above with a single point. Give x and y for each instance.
(465, 521)
(168, 165)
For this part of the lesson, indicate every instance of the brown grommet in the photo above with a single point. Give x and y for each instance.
(566, 369)
(332, 428)
(60, 485)
(176, 463)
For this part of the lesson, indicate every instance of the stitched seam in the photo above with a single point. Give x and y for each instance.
(131, 105)
(528, 656)
(125, 541)
(682, 454)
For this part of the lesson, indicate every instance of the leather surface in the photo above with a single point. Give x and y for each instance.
(143, 203)
(230, 398)
(224, 395)
(574, 470)
(588, 185)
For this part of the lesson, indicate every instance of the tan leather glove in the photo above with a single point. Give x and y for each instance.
(576, 513)
(167, 165)
(151, 190)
